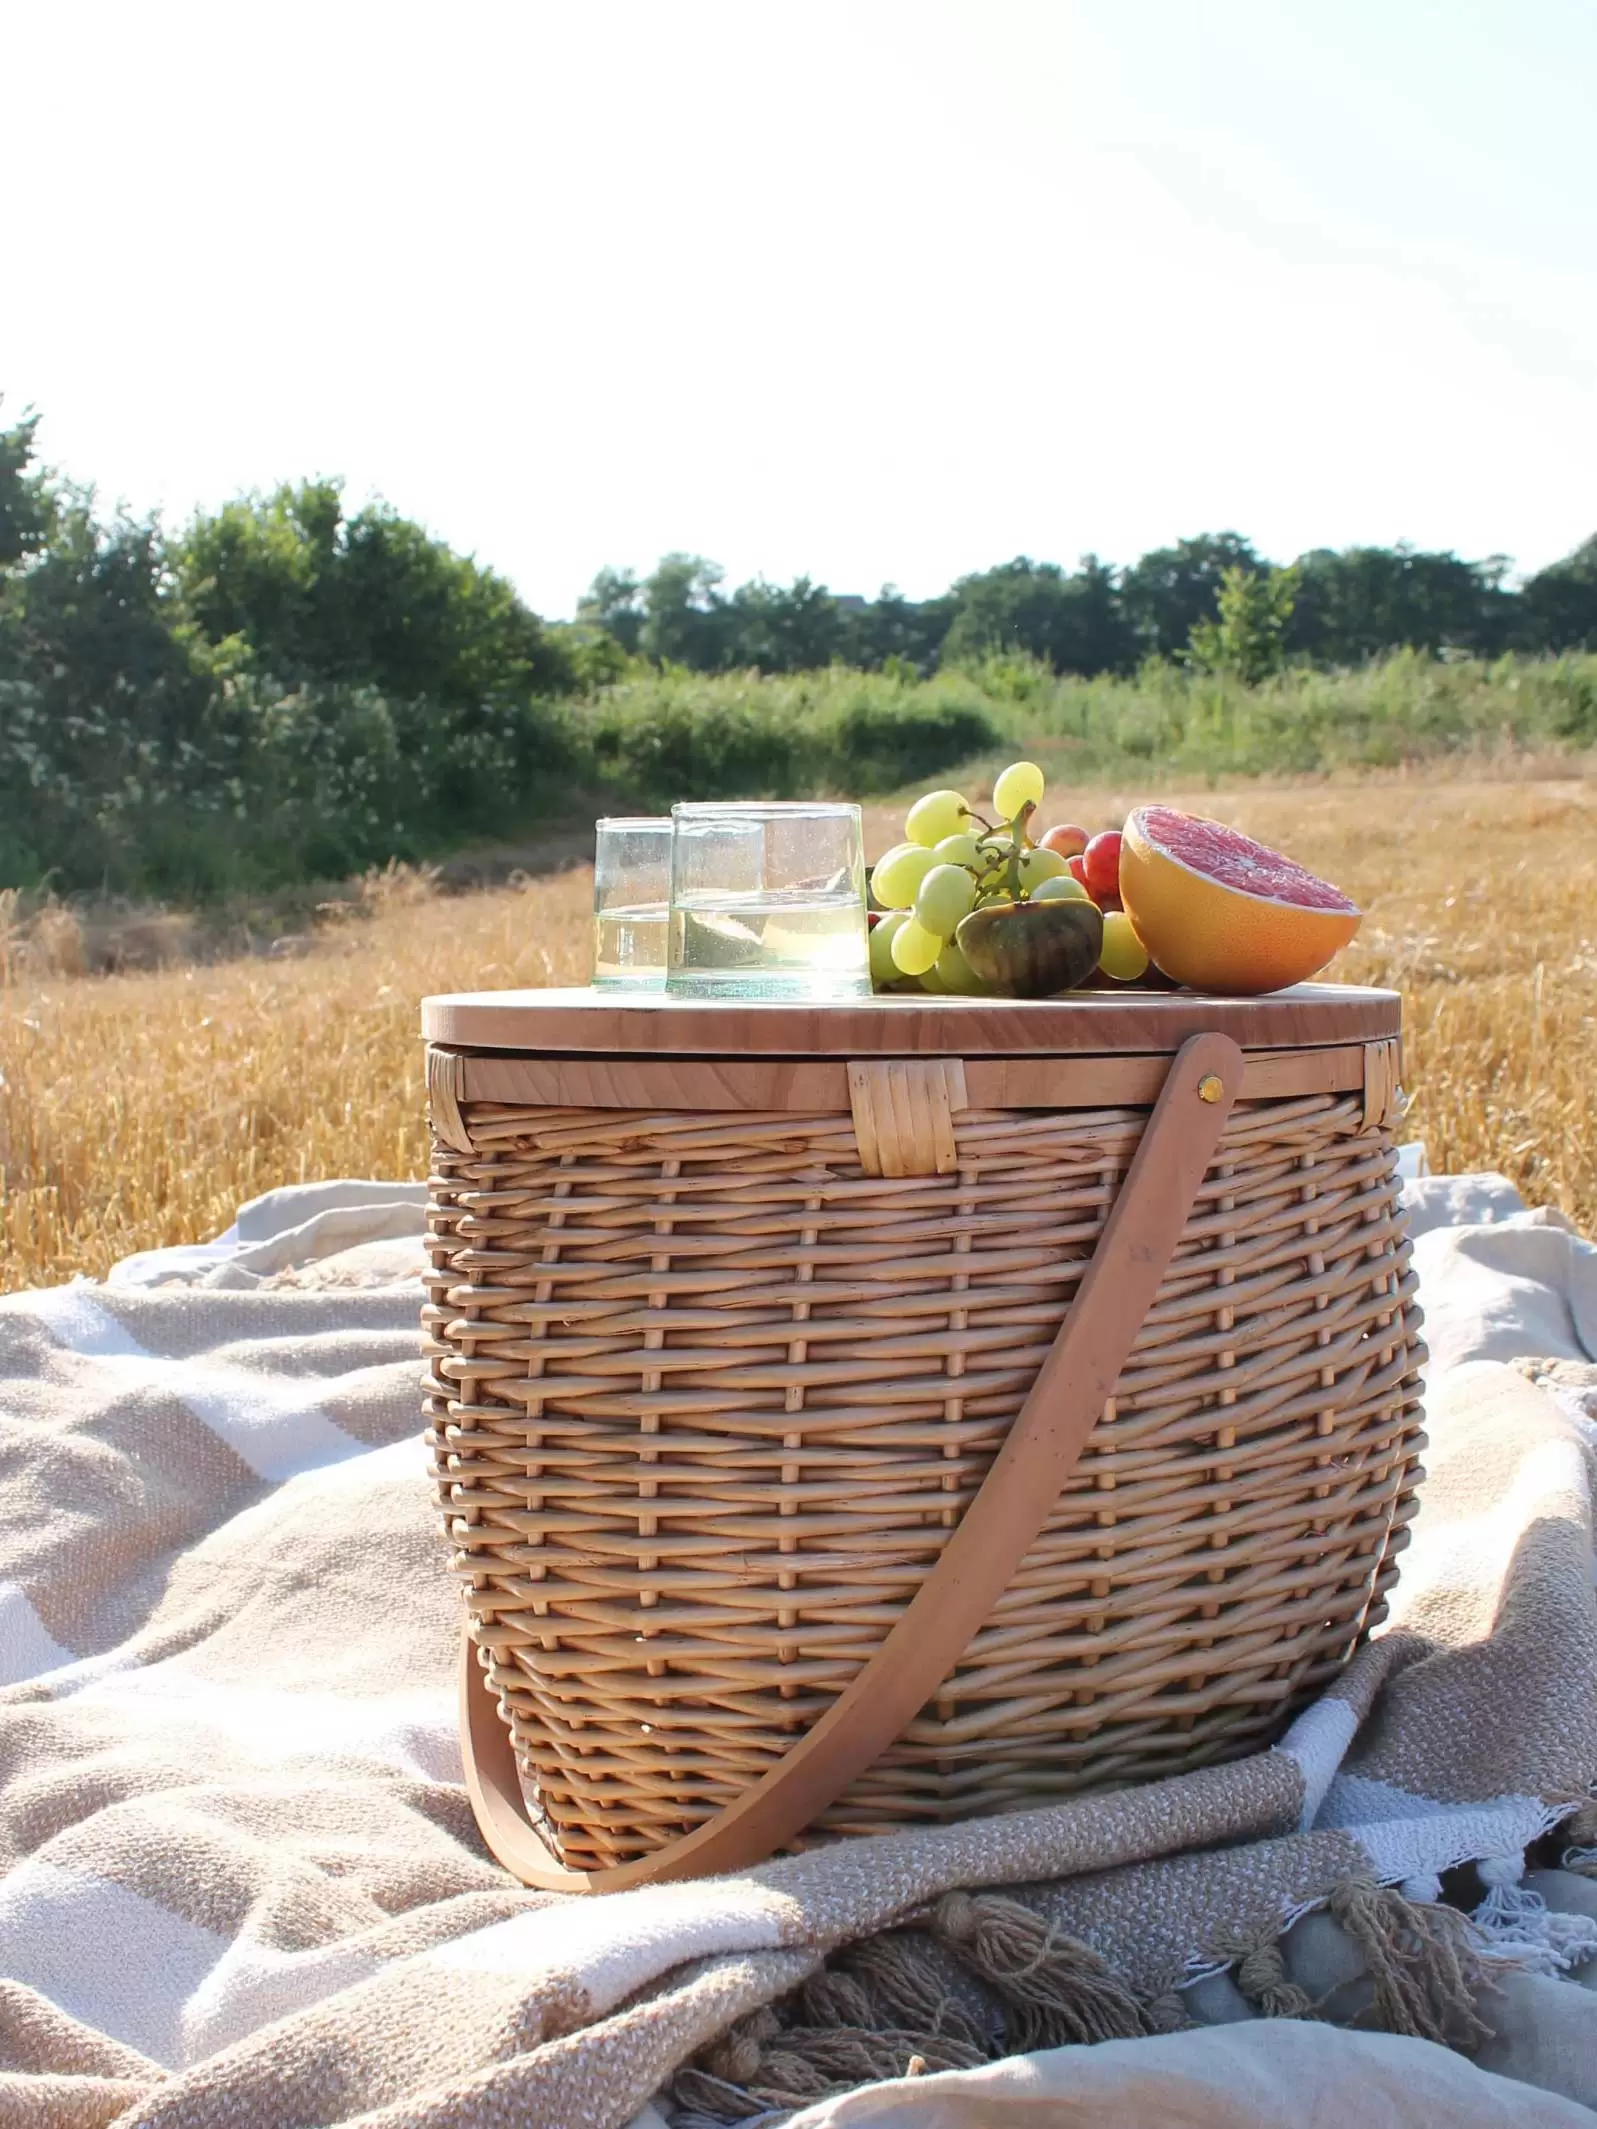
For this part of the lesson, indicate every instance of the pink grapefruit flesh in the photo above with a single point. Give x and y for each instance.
(1220, 912)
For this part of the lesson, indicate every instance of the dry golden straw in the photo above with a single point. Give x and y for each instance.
(138, 1110)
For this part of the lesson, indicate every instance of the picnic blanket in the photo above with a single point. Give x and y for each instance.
(240, 1883)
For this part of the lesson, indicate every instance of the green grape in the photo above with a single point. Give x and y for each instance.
(1063, 887)
(1124, 956)
(896, 880)
(957, 850)
(931, 980)
(1021, 784)
(914, 948)
(1039, 865)
(955, 974)
(883, 971)
(946, 894)
(938, 814)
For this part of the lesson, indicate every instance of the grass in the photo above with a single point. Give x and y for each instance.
(1407, 709)
(325, 780)
(140, 1109)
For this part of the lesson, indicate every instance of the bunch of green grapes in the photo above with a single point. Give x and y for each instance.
(953, 860)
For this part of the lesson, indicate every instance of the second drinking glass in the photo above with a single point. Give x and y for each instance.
(631, 886)
(767, 901)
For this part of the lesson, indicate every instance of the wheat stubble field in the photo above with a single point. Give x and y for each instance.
(138, 1110)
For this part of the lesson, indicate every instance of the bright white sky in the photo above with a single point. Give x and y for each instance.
(873, 289)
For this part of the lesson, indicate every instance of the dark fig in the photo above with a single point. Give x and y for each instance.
(1032, 949)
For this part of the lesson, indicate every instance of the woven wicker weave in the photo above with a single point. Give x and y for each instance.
(707, 1397)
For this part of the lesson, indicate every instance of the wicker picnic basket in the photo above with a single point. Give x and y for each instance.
(857, 1416)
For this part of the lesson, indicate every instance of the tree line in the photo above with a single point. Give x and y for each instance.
(1336, 608)
(286, 687)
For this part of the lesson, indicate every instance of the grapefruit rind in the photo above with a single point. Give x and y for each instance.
(1216, 935)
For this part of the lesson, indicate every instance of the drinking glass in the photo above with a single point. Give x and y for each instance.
(767, 901)
(631, 890)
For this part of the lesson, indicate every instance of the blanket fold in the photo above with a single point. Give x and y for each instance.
(240, 1883)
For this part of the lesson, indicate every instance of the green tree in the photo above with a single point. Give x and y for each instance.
(262, 569)
(94, 625)
(1558, 607)
(1073, 623)
(777, 629)
(26, 506)
(1355, 604)
(680, 616)
(892, 629)
(1247, 639)
(685, 615)
(1166, 594)
(371, 600)
(432, 623)
(614, 602)
(106, 700)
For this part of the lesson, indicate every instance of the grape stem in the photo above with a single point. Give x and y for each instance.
(1001, 848)
(1016, 892)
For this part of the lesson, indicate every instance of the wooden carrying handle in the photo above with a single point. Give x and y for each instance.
(979, 1559)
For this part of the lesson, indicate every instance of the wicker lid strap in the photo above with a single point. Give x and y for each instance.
(904, 1110)
(979, 1559)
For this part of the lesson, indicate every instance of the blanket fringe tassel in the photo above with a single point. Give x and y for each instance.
(1518, 1924)
(980, 1976)
(1424, 1963)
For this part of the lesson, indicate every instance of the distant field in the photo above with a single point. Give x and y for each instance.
(137, 1110)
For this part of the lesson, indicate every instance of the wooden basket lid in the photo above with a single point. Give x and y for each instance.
(1103, 1023)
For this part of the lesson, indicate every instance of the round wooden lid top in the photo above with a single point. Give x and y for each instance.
(651, 1023)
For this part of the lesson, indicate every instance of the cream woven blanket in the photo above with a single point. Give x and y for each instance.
(240, 1883)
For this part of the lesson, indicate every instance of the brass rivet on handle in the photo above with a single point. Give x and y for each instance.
(1209, 1087)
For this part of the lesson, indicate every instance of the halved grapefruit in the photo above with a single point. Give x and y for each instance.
(1220, 912)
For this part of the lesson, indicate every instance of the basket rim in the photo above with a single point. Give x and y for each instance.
(1310, 1015)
